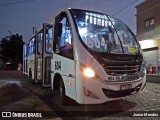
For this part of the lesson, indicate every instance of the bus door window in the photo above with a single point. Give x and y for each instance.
(48, 45)
(64, 41)
(39, 47)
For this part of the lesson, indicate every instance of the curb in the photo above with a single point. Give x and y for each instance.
(153, 79)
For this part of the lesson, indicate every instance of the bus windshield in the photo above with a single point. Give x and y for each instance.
(103, 33)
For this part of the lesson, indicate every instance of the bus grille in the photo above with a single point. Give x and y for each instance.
(113, 67)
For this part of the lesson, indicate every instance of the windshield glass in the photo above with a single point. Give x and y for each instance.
(102, 33)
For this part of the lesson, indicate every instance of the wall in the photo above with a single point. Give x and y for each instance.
(148, 9)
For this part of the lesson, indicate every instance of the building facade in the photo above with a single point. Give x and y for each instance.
(148, 33)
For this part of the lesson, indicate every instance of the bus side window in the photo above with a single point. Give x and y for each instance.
(65, 47)
(31, 47)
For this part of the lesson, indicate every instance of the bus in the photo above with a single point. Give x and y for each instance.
(93, 58)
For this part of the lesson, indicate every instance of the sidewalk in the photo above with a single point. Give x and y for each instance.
(153, 78)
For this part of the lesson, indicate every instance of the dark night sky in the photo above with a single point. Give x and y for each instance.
(19, 16)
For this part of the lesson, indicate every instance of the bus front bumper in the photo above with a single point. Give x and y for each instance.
(95, 91)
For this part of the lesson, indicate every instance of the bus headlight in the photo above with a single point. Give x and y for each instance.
(143, 68)
(88, 72)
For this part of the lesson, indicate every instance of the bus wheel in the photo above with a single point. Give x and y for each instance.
(63, 99)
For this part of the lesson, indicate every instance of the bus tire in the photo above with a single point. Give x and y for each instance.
(63, 99)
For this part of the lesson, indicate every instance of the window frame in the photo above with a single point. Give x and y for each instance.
(58, 19)
(47, 39)
(31, 45)
(39, 42)
(148, 24)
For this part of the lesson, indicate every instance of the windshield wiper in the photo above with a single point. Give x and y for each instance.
(109, 46)
(111, 42)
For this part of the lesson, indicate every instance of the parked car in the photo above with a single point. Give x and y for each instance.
(11, 66)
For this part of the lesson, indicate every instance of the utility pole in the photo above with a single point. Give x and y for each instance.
(34, 29)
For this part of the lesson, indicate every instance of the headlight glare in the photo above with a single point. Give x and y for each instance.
(88, 72)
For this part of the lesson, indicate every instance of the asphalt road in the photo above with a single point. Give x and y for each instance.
(18, 93)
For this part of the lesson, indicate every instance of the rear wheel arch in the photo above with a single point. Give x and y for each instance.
(56, 81)
(58, 84)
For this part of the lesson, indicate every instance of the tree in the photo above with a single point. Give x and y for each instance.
(12, 48)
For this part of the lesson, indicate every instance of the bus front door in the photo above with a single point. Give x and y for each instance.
(46, 54)
(38, 57)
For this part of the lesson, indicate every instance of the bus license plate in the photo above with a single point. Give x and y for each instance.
(125, 87)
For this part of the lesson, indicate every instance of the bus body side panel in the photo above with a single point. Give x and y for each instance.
(66, 68)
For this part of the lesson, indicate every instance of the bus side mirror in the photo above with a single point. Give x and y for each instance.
(58, 29)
